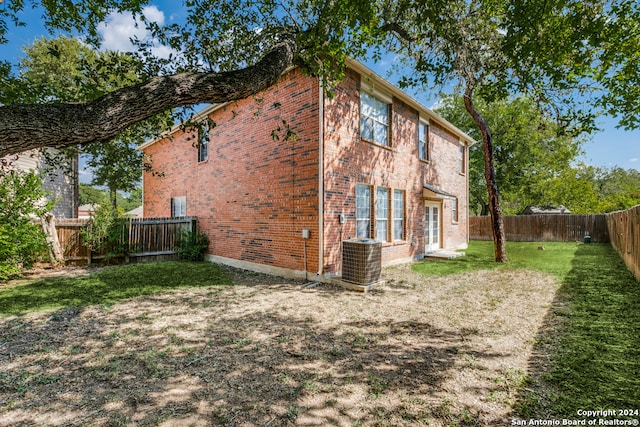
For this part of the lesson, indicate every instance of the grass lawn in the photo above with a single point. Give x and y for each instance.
(109, 286)
(465, 342)
(549, 257)
(592, 334)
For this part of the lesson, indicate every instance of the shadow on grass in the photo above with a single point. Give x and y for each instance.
(588, 350)
(108, 286)
(262, 368)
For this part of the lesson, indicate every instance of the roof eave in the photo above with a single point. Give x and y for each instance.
(197, 116)
(363, 70)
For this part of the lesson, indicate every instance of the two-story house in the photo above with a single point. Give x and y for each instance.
(59, 181)
(368, 161)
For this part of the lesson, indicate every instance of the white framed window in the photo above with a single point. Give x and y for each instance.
(203, 142)
(398, 215)
(382, 214)
(178, 207)
(423, 140)
(374, 119)
(454, 209)
(363, 211)
(461, 159)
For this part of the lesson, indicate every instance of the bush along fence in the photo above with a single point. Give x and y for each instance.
(624, 231)
(543, 228)
(130, 240)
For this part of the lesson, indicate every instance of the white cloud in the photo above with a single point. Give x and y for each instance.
(162, 51)
(634, 160)
(117, 31)
(153, 14)
(119, 28)
(439, 103)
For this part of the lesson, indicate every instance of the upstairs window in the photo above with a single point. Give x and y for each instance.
(374, 119)
(423, 140)
(178, 207)
(462, 160)
(203, 142)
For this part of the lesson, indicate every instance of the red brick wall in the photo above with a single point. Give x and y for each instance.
(350, 161)
(254, 195)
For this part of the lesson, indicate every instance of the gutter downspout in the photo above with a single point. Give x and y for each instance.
(320, 178)
(466, 153)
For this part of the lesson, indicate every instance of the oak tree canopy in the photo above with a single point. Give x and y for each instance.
(574, 58)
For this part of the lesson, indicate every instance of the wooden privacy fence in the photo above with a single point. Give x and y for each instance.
(543, 228)
(621, 228)
(146, 239)
(624, 232)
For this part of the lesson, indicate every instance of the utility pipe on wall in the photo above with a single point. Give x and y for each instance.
(320, 177)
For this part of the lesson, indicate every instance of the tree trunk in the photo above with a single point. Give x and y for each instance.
(495, 209)
(56, 254)
(27, 126)
(485, 207)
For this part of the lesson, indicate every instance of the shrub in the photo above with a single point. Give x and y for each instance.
(192, 245)
(22, 242)
(100, 227)
(106, 232)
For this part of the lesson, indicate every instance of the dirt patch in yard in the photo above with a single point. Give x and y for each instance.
(268, 352)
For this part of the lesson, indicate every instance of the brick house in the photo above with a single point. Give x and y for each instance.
(368, 162)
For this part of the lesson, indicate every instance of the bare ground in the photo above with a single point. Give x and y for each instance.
(268, 352)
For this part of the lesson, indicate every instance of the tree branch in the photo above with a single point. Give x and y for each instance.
(28, 126)
(394, 27)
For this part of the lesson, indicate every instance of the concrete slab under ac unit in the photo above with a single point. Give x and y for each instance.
(443, 254)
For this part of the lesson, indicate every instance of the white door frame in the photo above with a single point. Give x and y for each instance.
(432, 226)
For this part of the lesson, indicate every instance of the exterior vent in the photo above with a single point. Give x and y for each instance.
(361, 261)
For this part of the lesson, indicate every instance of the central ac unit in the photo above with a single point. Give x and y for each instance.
(361, 261)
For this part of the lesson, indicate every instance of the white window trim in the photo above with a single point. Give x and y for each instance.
(387, 217)
(358, 219)
(372, 90)
(404, 214)
(455, 213)
(426, 123)
(203, 140)
(385, 99)
(182, 200)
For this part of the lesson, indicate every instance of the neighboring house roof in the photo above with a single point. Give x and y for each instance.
(371, 77)
(545, 210)
(89, 207)
(135, 213)
(87, 210)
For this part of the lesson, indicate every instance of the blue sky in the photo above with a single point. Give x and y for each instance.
(610, 147)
